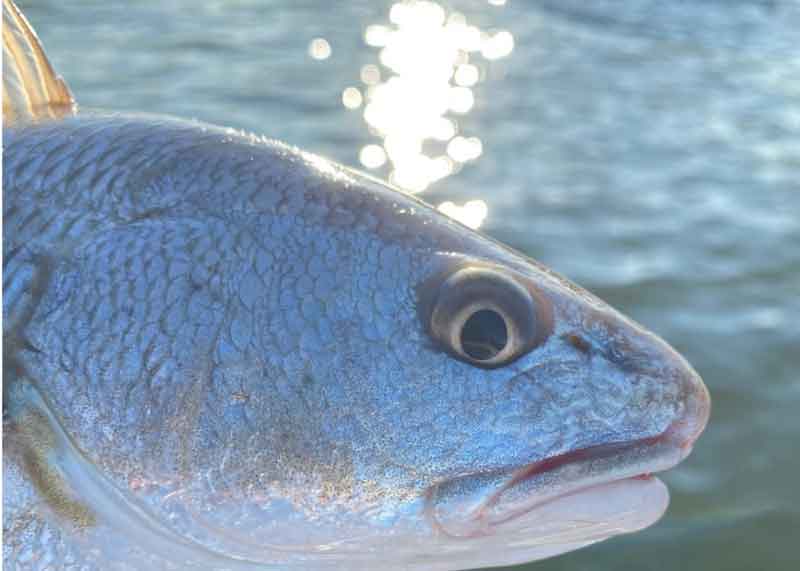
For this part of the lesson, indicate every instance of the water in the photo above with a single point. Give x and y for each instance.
(649, 150)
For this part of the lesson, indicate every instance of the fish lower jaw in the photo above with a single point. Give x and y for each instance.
(603, 490)
(585, 514)
(496, 521)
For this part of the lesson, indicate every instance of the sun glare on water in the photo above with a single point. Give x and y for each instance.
(429, 63)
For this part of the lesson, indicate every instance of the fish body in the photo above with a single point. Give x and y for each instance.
(222, 352)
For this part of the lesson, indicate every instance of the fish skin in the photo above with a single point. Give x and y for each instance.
(229, 330)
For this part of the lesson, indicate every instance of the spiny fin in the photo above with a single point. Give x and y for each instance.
(31, 88)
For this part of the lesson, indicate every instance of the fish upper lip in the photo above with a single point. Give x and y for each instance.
(682, 433)
(484, 521)
(677, 439)
(680, 436)
(670, 447)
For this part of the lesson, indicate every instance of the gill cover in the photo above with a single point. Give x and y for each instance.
(31, 88)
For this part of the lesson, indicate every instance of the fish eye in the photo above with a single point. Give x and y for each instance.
(485, 317)
(484, 335)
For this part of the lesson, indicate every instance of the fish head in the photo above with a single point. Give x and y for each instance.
(524, 414)
(459, 393)
(563, 408)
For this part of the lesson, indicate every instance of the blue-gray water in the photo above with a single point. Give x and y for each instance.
(648, 149)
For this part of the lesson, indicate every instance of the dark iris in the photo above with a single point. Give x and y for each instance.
(484, 335)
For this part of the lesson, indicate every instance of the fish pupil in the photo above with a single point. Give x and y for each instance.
(484, 335)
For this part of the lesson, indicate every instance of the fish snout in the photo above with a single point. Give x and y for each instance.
(665, 378)
(678, 379)
(694, 397)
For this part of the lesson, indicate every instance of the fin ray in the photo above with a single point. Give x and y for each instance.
(31, 87)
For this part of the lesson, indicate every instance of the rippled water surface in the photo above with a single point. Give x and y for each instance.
(649, 150)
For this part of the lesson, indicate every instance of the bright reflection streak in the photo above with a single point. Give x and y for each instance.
(424, 81)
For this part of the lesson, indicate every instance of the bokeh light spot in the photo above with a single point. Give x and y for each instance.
(377, 36)
(372, 156)
(370, 74)
(467, 75)
(497, 45)
(463, 149)
(461, 99)
(472, 214)
(351, 98)
(319, 49)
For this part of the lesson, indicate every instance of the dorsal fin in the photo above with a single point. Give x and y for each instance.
(31, 88)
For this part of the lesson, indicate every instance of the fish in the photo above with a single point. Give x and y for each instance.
(221, 352)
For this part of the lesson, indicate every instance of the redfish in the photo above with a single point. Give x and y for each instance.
(224, 353)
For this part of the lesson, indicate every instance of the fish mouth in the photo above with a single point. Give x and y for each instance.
(596, 492)
(559, 487)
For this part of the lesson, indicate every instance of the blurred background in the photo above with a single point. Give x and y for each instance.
(647, 149)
